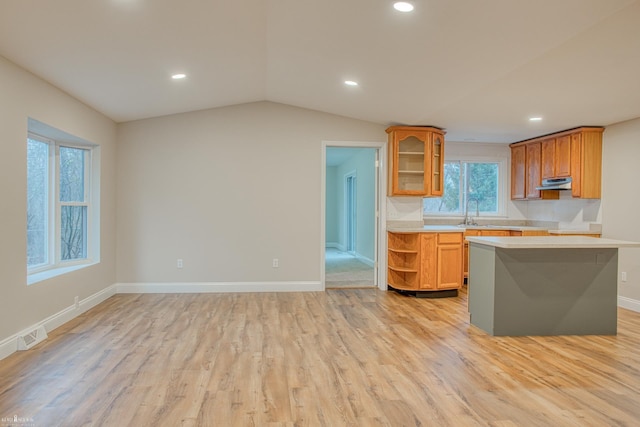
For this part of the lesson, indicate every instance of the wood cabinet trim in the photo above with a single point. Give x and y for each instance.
(415, 129)
(596, 129)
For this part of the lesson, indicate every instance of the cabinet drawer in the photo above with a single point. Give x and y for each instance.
(444, 238)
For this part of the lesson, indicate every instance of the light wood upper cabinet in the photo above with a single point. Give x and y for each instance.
(547, 157)
(437, 163)
(556, 157)
(586, 163)
(562, 161)
(534, 167)
(526, 173)
(576, 164)
(416, 161)
(575, 153)
(518, 171)
(534, 173)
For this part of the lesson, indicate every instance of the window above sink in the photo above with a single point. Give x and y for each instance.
(467, 180)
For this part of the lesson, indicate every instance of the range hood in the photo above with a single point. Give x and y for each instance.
(555, 184)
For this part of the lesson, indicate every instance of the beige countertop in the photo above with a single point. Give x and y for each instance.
(551, 242)
(569, 232)
(459, 228)
(502, 227)
(416, 228)
(427, 229)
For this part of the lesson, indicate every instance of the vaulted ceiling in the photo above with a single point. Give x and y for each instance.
(479, 68)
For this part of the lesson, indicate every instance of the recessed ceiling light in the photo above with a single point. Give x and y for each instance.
(350, 83)
(403, 6)
(178, 76)
(535, 119)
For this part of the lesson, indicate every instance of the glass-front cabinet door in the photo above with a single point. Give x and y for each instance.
(437, 164)
(411, 157)
(415, 161)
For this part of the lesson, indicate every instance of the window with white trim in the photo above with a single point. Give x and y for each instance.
(470, 182)
(59, 204)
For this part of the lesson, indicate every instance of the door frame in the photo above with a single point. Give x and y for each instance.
(351, 216)
(380, 263)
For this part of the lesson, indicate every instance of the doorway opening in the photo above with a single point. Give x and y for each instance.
(351, 217)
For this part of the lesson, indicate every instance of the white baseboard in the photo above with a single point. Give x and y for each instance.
(10, 345)
(335, 245)
(216, 287)
(365, 260)
(358, 256)
(629, 304)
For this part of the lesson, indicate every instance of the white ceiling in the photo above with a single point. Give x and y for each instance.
(478, 68)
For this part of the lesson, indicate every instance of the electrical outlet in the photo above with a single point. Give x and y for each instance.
(623, 276)
(76, 302)
(179, 263)
(276, 263)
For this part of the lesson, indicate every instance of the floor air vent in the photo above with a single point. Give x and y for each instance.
(25, 342)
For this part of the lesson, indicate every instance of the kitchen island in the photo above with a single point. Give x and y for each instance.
(544, 285)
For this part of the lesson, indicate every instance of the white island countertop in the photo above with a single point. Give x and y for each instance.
(551, 242)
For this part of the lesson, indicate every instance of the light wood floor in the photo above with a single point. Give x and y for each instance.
(337, 358)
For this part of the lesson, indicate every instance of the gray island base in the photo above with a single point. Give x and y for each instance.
(544, 285)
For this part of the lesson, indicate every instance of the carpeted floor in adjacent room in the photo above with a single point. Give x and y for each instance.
(343, 270)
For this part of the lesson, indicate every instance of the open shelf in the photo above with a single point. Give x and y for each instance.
(403, 251)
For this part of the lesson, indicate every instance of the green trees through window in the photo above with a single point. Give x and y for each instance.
(37, 203)
(73, 205)
(57, 203)
(464, 181)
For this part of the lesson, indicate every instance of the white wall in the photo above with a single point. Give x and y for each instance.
(620, 200)
(226, 190)
(23, 96)
(568, 212)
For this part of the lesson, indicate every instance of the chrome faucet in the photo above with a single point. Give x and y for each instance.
(467, 219)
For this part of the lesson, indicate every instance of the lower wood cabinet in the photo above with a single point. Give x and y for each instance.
(425, 261)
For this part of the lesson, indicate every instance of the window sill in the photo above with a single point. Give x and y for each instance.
(54, 272)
